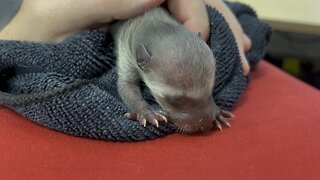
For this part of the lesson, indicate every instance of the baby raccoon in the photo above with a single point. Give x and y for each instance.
(176, 65)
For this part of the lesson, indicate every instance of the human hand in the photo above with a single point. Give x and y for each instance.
(193, 16)
(243, 41)
(53, 21)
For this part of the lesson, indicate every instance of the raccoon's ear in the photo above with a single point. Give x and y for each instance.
(143, 56)
(200, 35)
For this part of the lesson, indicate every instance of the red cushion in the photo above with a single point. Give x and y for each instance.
(275, 135)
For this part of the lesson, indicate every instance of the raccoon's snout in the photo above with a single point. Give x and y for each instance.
(190, 126)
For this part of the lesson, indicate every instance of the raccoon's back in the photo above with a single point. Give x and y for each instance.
(149, 27)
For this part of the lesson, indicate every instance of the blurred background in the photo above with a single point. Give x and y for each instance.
(295, 44)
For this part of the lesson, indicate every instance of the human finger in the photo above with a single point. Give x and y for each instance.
(192, 14)
(246, 43)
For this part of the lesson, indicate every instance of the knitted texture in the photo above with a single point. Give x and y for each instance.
(71, 86)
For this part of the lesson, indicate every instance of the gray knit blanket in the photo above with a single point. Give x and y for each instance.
(70, 86)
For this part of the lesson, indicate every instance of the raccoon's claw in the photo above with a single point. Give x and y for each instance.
(224, 120)
(221, 117)
(226, 114)
(218, 125)
(136, 117)
(161, 117)
(150, 117)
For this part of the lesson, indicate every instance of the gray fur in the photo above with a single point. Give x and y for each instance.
(181, 64)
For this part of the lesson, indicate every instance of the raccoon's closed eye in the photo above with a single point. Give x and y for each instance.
(178, 101)
(172, 100)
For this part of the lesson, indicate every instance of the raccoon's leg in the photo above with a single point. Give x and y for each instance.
(129, 90)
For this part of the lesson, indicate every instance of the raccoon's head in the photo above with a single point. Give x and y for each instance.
(182, 82)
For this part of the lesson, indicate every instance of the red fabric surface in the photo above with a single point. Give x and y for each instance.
(275, 135)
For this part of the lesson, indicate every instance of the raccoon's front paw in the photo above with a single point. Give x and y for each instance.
(221, 117)
(151, 116)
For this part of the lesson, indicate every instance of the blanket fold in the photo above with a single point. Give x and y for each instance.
(71, 86)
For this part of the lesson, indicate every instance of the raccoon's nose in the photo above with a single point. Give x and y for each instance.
(190, 123)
